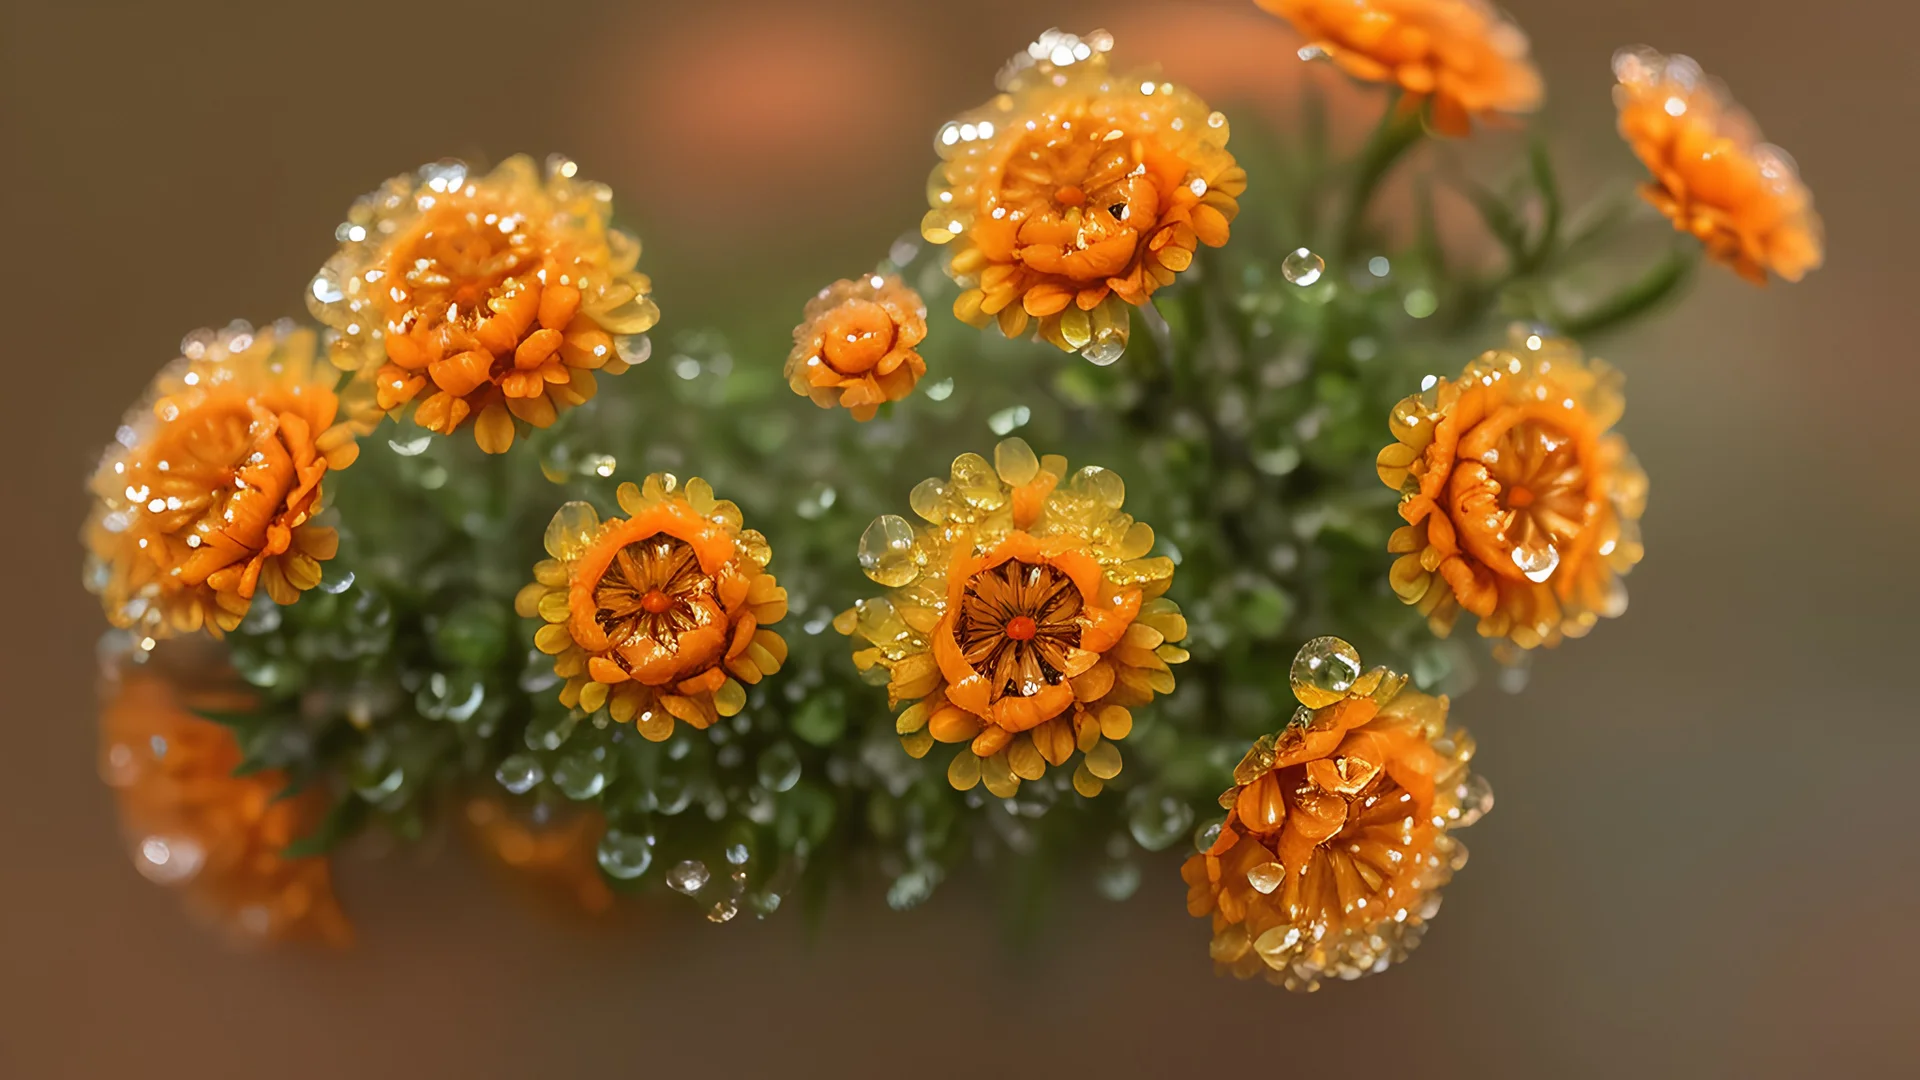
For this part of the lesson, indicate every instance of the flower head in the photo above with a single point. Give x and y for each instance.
(1463, 55)
(1338, 833)
(210, 489)
(192, 823)
(661, 615)
(1521, 506)
(855, 348)
(495, 296)
(1076, 192)
(1713, 175)
(1025, 619)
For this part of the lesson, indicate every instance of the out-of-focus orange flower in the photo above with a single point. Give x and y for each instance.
(210, 489)
(193, 824)
(855, 348)
(1521, 505)
(1025, 619)
(499, 296)
(1713, 175)
(661, 615)
(1462, 55)
(1076, 192)
(559, 854)
(1337, 837)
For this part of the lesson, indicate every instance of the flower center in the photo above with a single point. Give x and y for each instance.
(1365, 828)
(1077, 200)
(458, 260)
(651, 591)
(1017, 623)
(1523, 504)
(858, 336)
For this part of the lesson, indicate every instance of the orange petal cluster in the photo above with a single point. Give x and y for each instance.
(661, 615)
(1464, 56)
(1076, 192)
(209, 492)
(1713, 175)
(1025, 619)
(1337, 838)
(558, 855)
(855, 348)
(497, 297)
(1521, 505)
(195, 826)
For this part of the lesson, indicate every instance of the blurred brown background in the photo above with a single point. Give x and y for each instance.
(1704, 860)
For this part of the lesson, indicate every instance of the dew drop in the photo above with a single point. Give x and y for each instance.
(1323, 670)
(688, 877)
(886, 551)
(1266, 877)
(1104, 353)
(625, 855)
(1302, 267)
(519, 773)
(1537, 563)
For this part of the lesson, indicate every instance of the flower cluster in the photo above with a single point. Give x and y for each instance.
(661, 615)
(1025, 618)
(1521, 506)
(1076, 192)
(497, 296)
(1338, 830)
(855, 348)
(1713, 175)
(1462, 55)
(209, 491)
(196, 826)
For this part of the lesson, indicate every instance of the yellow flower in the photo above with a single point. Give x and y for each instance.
(1076, 192)
(1338, 832)
(499, 296)
(1713, 175)
(855, 348)
(1521, 505)
(1463, 55)
(210, 489)
(661, 615)
(192, 823)
(1025, 619)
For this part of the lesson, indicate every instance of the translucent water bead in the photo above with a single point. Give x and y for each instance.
(1302, 267)
(1323, 671)
(886, 551)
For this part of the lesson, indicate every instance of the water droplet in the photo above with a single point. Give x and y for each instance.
(723, 911)
(1537, 563)
(688, 877)
(1207, 833)
(886, 551)
(625, 855)
(1266, 877)
(519, 773)
(1378, 266)
(411, 447)
(778, 767)
(1302, 267)
(1016, 462)
(1104, 353)
(1006, 421)
(1311, 53)
(940, 391)
(581, 776)
(167, 860)
(634, 348)
(1157, 819)
(1323, 670)
(573, 525)
(1476, 798)
(1118, 880)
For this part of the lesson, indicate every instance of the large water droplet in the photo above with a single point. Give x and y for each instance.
(1302, 267)
(1266, 877)
(519, 773)
(1157, 819)
(778, 767)
(886, 551)
(1323, 670)
(1104, 353)
(581, 776)
(1207, 833)
(572, 526)
(1538, 563)
(688, 877)
(625, 855)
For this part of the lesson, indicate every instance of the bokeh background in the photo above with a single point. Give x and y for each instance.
(1704, 860)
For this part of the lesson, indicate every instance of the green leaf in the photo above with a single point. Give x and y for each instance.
(1661, 281)
(341, 822)
(1548, 187)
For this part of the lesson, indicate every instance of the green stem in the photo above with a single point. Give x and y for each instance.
(1661, 281)
(1399, 129)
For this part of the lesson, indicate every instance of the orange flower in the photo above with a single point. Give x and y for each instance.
(503, 293)
(1025, 619)
(1712, 173)
(855, 348)
(558, 854)
(1463, 55)
(1521, 506)
(1337, 837)
(192, 823)
(1076, 192)
(659, 616)
(209, 491)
